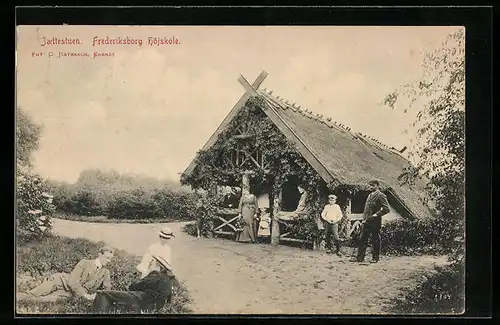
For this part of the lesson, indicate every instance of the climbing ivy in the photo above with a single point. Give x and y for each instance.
(282, 161)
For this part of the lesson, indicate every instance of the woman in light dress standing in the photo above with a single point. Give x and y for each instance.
(248, 211)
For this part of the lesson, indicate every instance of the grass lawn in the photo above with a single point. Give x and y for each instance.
(37, 260)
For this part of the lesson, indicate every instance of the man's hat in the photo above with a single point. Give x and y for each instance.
(166, 233)
(332, 196)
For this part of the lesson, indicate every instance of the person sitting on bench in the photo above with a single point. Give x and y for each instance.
(86, 278)
(301, 209)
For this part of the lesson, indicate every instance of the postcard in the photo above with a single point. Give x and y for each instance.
(240, 169)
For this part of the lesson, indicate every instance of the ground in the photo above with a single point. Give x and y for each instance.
(223, 276)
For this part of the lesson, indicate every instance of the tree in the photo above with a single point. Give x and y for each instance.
(438, 152)
(33, 203)
(27, 137)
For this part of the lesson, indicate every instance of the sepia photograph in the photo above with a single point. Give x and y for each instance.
(181, 170)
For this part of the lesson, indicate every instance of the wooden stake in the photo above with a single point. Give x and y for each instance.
(275, 230)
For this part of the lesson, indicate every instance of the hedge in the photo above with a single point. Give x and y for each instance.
(128, 203)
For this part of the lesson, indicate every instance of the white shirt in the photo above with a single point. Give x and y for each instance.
(332, 213)
(98, 263)
(160, 251)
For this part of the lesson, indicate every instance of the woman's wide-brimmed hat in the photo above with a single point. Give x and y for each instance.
(166, 233)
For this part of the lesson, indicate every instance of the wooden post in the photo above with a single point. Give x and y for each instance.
(245, 179)
(346, 225)
(211, 224)
(275, 230)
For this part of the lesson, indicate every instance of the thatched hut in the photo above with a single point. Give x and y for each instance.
(327, 156)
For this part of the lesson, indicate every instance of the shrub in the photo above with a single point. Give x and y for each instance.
(174, 204)
(407, 237)
(54, 254)
(190, 229)
(133, 202)
(33, 208)
(441, 293)
(63, 198)
(204, 212)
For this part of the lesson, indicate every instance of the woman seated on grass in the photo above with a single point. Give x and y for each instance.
(148, 294)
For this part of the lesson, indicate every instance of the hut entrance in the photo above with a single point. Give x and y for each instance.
(226, 223)
(358, 202)
(290, 194)
(262, 189)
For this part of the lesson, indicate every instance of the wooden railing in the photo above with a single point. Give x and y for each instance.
(226, 223)
(286, 234)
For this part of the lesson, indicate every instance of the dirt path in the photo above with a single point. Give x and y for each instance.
(228, 277)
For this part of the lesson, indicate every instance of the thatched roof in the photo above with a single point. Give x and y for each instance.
(336, 152)
(350, 157)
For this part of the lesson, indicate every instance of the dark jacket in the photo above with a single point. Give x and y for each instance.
(156, 288)
(376, 204)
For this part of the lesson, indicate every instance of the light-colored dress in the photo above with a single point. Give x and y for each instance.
(158, 251)
(265, 225)
(248, 207)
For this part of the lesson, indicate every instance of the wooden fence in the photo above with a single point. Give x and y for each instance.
(227, 225)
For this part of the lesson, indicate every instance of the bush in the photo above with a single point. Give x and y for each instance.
(174, 204)
(135, 204)
(442, 293)
(53, 254)
(33, 208)
(84, 202)
(190, 229)
(125, 203)
(407, 237)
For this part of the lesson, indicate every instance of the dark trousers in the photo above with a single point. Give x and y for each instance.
(370, 229)
(107, 301)
(332, 231)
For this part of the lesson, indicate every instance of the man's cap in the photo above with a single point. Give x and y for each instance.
(166, 233)
(332, 196)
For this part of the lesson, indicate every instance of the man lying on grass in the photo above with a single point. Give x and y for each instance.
(87, 277)
(148, 294)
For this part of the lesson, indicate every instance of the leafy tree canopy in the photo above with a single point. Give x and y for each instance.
(27, 137)
(438, 149)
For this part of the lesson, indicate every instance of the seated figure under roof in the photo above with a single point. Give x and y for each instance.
(301, 209)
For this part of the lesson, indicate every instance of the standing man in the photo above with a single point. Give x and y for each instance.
(332, 214)
(375, 207)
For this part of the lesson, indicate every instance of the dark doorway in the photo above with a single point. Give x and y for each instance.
(290, 194)
(358, 202)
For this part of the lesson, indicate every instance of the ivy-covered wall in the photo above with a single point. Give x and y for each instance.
(281, 160)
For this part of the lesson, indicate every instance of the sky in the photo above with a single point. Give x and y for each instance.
(148, 109)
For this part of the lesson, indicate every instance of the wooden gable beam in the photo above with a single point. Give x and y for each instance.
(234, 111)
